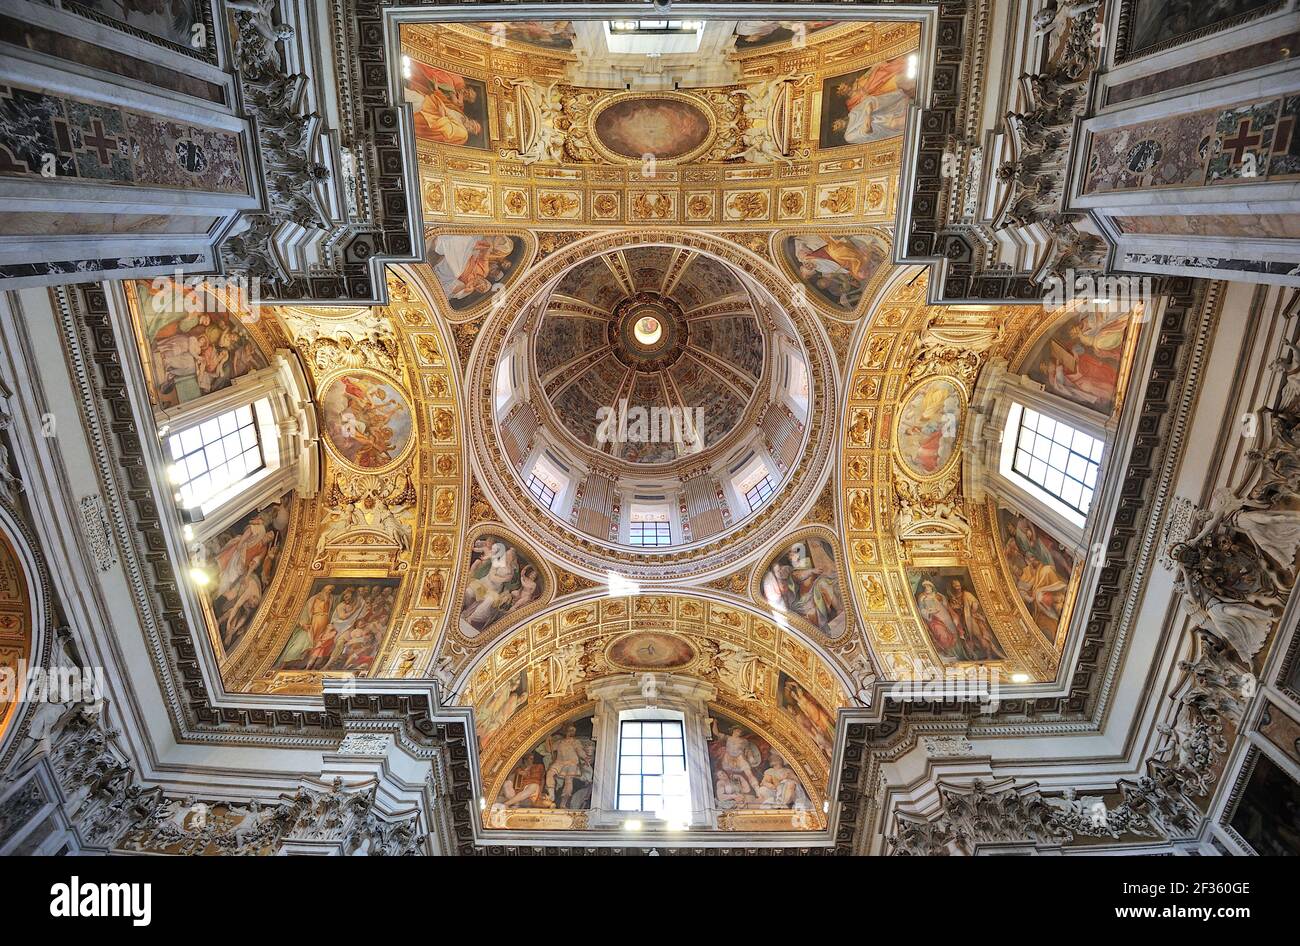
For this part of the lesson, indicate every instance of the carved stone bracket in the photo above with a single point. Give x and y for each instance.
(1034, 178)
(980, 813)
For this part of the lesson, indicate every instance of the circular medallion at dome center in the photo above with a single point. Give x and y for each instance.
(647, 331)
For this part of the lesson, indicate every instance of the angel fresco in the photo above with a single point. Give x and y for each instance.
(366, 420)
(501, 580)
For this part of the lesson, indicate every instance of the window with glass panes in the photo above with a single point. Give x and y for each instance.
(537, 486)
(649, 533)
(651, 765)
(760, 492)
(212, 456)
(1060, 459)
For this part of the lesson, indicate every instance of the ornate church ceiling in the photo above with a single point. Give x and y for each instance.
(723, 247)
(772, 139)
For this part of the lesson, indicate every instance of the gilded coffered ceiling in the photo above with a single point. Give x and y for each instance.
(708, 345)
(506, 134)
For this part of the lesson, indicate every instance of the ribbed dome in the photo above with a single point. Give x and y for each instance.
(654, 327)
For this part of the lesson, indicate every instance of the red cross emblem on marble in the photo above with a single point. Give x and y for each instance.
(1242, 141)
(100, 142)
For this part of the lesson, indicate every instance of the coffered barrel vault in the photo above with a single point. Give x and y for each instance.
(432, 429)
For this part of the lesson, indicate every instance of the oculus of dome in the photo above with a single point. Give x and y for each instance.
(662, 343)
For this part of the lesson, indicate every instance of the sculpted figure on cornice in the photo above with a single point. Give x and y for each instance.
(1236, 565)
(1040, 134)
(287, 138)
(383, 506)
(366, 340)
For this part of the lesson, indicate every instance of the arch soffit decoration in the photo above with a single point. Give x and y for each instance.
(702, 615)
(883, 499)
(775, 728)
(25, 629)
(737, 649)
(404, 521)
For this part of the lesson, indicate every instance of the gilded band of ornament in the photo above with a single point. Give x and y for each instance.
(737, 650)
(859, 190)
(493, 184)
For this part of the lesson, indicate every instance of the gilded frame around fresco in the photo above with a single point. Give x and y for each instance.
(511, 619)
(955, 457)
(433, 287)
(841, 581)
(870, 292)
(612, 101)
(323, 384)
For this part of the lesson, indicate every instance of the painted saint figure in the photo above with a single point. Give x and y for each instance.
(803, 580)
(442, 102)
(471, 267)
(837, 268)
(245, 557)
(869, 106)
(499, 582)
(953, 616)
(1081, 359)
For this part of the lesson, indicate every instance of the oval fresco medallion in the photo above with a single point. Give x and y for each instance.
(667, 127)
(929, 427)
(650, 650)
(367, 420)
